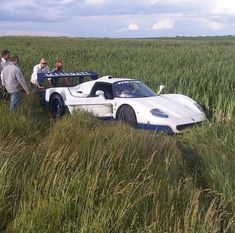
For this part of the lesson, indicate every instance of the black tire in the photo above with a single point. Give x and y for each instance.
(127, 114)
(56, 105)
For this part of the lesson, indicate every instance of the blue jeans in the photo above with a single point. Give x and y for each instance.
(14, 100)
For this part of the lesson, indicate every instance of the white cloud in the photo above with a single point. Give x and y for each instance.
(25, 2)
(95, 2)
(163, 24)
(223, 7)
(172, 2)
(65, 2)
(133, 26)
(20, 4)
(214, 25)
(151, 2)
(31, 33)
(130, 27)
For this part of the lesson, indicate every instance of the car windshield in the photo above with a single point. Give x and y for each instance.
(132, 89)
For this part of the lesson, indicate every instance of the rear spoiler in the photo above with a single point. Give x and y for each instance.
(76, 74)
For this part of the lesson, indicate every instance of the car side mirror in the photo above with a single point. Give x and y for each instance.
(99, 93)
(161, 88)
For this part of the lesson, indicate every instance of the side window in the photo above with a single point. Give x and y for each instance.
(105, 87)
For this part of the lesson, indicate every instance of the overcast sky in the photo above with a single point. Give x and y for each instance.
(116, 18)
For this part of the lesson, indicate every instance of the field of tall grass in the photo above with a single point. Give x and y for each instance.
(80, 174)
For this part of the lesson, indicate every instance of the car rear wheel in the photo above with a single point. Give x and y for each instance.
(56, 106)
(127, 114)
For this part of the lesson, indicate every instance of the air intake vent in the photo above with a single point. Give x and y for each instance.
(182, 127)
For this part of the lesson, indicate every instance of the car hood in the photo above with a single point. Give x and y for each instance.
(175, 106)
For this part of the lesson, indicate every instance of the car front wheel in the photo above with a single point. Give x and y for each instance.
(127, 114)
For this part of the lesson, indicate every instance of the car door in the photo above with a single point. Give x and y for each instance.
(100, 105)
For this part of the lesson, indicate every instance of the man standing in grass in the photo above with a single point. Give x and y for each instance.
(53, 82)
(14, 81)
(4, 62)
(42, 67)
(5, 59)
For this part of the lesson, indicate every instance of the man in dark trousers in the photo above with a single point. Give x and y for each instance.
(14, 82)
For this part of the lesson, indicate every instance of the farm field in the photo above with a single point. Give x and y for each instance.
(80, 174)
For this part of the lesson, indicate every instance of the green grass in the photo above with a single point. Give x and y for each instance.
(80, 174)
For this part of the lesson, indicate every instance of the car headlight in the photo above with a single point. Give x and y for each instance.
(158, 113)
(199, 107)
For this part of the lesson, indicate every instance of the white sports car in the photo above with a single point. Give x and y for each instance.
(126, 100)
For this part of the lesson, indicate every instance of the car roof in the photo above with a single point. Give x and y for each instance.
(110, 79)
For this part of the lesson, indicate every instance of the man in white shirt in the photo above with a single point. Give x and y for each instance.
(4, 62)
(5, 59)
(37, 69)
